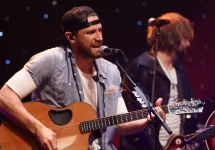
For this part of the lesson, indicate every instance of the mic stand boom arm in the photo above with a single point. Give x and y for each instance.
(148, 104)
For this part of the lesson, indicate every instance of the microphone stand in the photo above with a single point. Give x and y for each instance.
(156, 141)
(143, 97)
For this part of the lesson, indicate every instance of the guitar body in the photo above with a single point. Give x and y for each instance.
(175, 142)
(69, 136)
(74, 124)
(210, 143)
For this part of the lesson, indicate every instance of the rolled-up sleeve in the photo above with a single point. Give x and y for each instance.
(41, 66)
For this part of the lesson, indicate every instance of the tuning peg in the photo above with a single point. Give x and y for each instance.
(177, 100)
(209, 101)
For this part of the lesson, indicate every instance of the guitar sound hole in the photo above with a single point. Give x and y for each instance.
(60, 117)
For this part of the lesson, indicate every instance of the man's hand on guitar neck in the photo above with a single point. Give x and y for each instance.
(158, 108)
(138, 125)
(47, 138)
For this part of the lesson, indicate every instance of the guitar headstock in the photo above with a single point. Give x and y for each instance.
(186, 107)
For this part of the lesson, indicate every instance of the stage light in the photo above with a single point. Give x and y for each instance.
(193, 23)
(139, 23)
(7, 18)
(202, 63)
(46, 16)
(202, 86)
(205, 46)
(190, 59)
(1, 34)
(204, 16)
(27, 8)
(7, 62)
(144, 4)
(117, 10)
(54, 3)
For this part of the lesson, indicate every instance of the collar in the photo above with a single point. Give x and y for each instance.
(101, 66)
(147, 60)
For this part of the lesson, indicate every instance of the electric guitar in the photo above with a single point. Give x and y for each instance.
(175, 142)
(178, 141)
(74, 124)
(210, 143)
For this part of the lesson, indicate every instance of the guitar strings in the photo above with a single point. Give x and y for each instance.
(118, 118)
(101, 122)
(124, 117)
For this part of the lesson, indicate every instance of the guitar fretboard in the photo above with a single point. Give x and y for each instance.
(92, 125)
(176, 108)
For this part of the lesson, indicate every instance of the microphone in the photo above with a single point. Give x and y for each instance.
(158, 22)
(109, 51)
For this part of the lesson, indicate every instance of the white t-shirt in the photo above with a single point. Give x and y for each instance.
(90, 96)
(89, 88)
(172, 120)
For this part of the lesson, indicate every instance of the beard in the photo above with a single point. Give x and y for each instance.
(180, 54)
(89, 53)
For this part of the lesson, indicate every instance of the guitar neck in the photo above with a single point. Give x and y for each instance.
(165, 108)
(176, 108)
(92, 125)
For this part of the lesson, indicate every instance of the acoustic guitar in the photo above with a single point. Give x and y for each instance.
(74, 124)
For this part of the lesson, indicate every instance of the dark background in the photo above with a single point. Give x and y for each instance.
(26, 32)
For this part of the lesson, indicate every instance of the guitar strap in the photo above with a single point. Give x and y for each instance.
(100, 111)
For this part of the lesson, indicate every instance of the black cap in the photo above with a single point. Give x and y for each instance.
(76, 18)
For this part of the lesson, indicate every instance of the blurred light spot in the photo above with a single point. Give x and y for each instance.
(117, 10)
(7, 62)
(202, 63)
(205, 46)
(24, 52)
(139, 23)
(46, 16)
(6, 18)
(54, 3)
(199, 125)
(188, 116)
(193, 23)
(204, 16)
(190, 59)
(27, 8)
(144, 4)
(202, 86)
(1, 34)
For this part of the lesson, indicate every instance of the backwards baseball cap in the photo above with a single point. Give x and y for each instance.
(76, 19)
